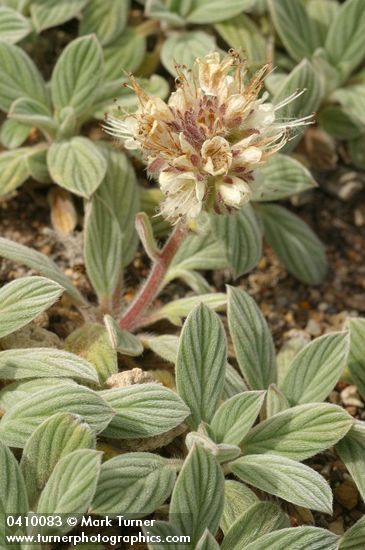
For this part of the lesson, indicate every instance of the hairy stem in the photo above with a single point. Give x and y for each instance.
(133, 316)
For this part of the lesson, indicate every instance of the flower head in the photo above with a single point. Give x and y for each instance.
(205, 144)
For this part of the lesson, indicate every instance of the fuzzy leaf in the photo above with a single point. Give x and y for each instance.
(77, 75)
(184, 48)
(340, 123)
(125, 53)
(356, 150)
(13, 169)
(134, 482)
(200, 366)
(233, 383)
(16, 392)
(23, 299)
(106, 19)
(92, 342)
(176, 310)
(20, 77)
(285, 478)
(34, 113)
(20, 421)
(23, 255)
(354, 537)
(211, 11)
(122, 341)
(356, 362)
(143, 410)
(298, 32)
(72, 484)
(345, 45)
(77, 165)
(37, 165)
(50, 13)
(197, 500)
(207, 542)
(316, 369)
(164, 346)
(13, 134)
(44, 363)
(160, 530)
(13, 26)
(352, 450)
(295, 244)
(259, 519)
(252, 340)
(55, 438)
(236, 416)
(281, 177)
(13, 495)
(300, 432)
(275, 401)
(310, 538)
(241, 237)
(237, 499)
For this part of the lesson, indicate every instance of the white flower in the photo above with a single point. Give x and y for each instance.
(205, 144)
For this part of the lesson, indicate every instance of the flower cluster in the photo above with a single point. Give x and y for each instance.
(205, 144)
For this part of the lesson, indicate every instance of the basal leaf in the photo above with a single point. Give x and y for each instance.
(351, 450)
(176, 310)
(310, 538)
(184, 48)
(34, 113)
(356, 360)
(200, 367)
(50, 13)
(238, 498)
(207, 542)
(285, 478)
(13, 26)
(122, 341)
(294, 242)
(13, 133)
(133, 482)
(252, 340)
(13, 495)
(23, 299)
(211, 11)
(354, 537)
(12, 394)
(106, 19)
(125, 53)
(13, 169)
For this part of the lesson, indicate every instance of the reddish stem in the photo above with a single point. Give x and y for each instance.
(133, 315)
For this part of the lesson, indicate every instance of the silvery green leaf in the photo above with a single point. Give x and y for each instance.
(34, 113)
(211, 11)
(183, 48)
(223, 452)
(295, 244)
(233, 383)
(176, 310)
(323, 12)
(316, 369)
(197, 499)
(156, 9)
(356, 150)
(329, 75)
(37, 164)
(241, 236)
(200, 366)
(23, 299)
(352, 100)
(92, 342)
(77, 75)
(20, 77)
(300, 432)
(252, 340)
(207, 542)
(103, 249)
(304, 537)
(344, 44)
(280, 177)
(242, 34)
(238, 498)
(50, 13)
(236, 416)
(164, 346)
(23, 255)
(55, 438)
(275, 401)
(72, 484)
(20, 421)
(106, 19)
(143, 410)
(125, 53)
(274, 80)
(77, 165)
(285, 478)
(122, 341)
(299, 33)
(13, 133)
(13, 26)
(356, 362)
(302, 77)
(136, 483)
(288, 351)
(13, 169)
(340, 123)
(162, 529)
(261, 518)
(352, 451)
(44, 363)
(13, 495)
(14, 393)
(354, 537)
(119, 193)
